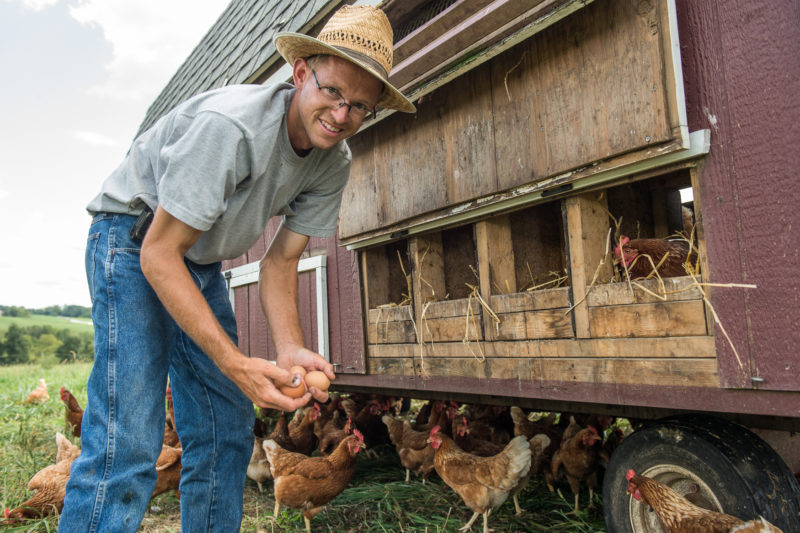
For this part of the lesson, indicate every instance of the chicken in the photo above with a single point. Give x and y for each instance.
(581, 459)
(679, 515)
(330, 440)
(258, 468)
(631, 253)
(412, 447)
(538, 444)
(334, 423)
(49, 483)
(168, 469)
(367, 419)
(756, 526)
(483, 483)
(325, 414)
(280, 433)
(73, 412)
(308, 483)
(170, 432)
(39, 394)
(490, 423)
(302, 435)
(470, 444)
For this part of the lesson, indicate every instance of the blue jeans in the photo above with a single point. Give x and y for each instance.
(137, 344)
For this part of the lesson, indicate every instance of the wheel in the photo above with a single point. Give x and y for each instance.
(712, 462)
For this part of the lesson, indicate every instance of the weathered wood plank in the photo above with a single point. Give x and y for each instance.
(452, 308)
(587, 229)
(387, 366)
(699, 347)
(386, 332)
(649, 320)
(620, 293)
(389, 314)
(530, 301)
(662, 372)
(547, 324)
(451, 329)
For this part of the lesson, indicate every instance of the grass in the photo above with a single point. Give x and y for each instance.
(77, 325)
(377, 500)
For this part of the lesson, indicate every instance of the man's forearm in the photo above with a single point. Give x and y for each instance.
(167, 274)
(278, 282)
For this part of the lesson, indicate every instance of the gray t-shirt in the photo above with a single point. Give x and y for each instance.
(222, 163)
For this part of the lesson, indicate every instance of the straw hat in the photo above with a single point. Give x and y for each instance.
(359, 34)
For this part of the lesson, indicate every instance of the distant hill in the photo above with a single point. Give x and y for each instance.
(70, 311)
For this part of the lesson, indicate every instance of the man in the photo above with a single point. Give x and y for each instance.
(213, 171)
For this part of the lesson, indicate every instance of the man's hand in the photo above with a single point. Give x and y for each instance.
(310, 361)
(259, 380)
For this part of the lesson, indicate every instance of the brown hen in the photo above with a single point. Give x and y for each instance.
(49, 483)
(679, 515)
(412, 447)
(668, 256)
(483, 483)
(308, 483)
(73, 412)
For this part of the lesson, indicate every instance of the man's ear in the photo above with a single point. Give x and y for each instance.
(301, 72)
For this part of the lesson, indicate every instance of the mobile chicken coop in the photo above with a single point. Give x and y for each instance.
(473, 259)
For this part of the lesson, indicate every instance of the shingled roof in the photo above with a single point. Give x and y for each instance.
(237, 49)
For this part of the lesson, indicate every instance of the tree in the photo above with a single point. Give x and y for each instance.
(45, 345)
(16, 346)
(70, 348)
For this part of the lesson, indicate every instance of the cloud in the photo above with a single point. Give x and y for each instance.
(149, 38)
(91, 137)
(36, 5)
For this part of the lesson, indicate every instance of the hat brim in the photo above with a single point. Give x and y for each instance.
(294, 45)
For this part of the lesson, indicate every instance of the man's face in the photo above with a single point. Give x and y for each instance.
(321, 124)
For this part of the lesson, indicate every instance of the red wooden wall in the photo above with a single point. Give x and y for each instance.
(741, 63)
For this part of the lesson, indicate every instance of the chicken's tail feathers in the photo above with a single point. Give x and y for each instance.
(518, 451)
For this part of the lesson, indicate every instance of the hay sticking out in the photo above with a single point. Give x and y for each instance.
(471, 317)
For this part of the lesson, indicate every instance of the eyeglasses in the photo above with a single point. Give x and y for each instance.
(337, 101)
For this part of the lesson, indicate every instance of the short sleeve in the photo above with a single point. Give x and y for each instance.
(203, 159)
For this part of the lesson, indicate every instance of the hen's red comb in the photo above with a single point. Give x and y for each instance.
(435, 430)
(358, 435)
(630, 474)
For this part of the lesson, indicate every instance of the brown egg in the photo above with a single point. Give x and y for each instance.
(300, 389)
(317, 379)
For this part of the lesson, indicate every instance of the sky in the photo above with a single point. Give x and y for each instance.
(76, 79)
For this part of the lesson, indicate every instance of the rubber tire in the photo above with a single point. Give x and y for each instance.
(731, 460)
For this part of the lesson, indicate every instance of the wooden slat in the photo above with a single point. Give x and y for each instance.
(452, 308)
(649, 320)
(587, 229)
(385, 332)
(401, 367)
(700, 347)
(548, 324)
(662, 372)
(451, 329)
(530, 301)
(390, 314)
(675, 289)
(445, 38)
(436, 27)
